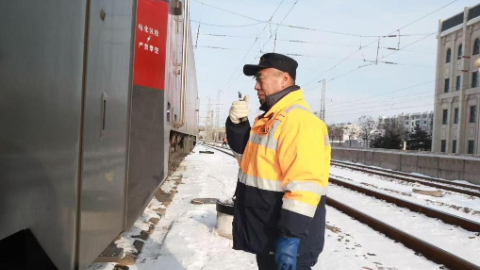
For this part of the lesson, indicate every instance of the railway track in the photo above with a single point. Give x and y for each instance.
(431, 252)
(427, 181)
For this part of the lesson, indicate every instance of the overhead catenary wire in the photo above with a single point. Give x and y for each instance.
(310, 42)
(311, 56)
(221, 25)
(281, 22)
(397, 35)
(229, 11)
(288, 25)
(271, 34)
(403, 27)
(360, 67)
(253, 44)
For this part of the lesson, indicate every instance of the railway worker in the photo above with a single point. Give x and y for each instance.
(284, 167)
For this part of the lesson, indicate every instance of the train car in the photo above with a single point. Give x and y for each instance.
(97, 100)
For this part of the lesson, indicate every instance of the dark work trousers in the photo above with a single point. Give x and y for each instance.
(267, 262)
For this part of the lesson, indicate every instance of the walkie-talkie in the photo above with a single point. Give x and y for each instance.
(240, 98)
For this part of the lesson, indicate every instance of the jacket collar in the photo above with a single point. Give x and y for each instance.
(289, 98)
(271, 100)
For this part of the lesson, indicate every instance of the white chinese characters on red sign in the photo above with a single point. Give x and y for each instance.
(146, 46)
(150, 44)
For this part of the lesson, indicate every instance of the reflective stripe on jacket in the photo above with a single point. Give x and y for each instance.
(283, 180)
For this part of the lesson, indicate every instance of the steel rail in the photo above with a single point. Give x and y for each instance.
(428, 250)
(435, 179)
(430, 212)
(408, 179)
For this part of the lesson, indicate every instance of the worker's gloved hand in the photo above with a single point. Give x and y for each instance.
(239, 110)
(286, 253)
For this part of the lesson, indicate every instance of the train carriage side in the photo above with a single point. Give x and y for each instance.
(158, 138)
(84, 137)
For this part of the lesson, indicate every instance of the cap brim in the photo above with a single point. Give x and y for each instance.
(251, 70)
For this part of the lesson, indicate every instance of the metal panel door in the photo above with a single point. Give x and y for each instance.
(41, 71)
(108, 84)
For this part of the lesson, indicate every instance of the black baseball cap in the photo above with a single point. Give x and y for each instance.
(273, 60)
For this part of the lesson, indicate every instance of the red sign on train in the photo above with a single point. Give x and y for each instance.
(150, 44)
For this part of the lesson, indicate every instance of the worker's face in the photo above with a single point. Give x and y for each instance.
(270, 81)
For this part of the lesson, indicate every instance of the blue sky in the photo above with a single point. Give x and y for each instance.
(375, 89)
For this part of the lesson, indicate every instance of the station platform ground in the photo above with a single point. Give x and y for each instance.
(179, 235)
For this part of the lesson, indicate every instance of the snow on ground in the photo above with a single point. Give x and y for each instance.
(458, 204)
(412, 173)
(458, 241)
(185, 238)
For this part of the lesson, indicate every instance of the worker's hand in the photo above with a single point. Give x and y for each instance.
(239, 110)
(286, 253)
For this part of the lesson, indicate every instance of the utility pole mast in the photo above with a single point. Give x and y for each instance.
(322, 104)
(217, 115)
(275, 42)
(208, 127)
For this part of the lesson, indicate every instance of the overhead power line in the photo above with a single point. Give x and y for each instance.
(271, 35)
(318, 77)
(290, 26)
(310, 56)
(312, 42)
(253, 44)
(229, 11)
(373, 63)
(221, 25)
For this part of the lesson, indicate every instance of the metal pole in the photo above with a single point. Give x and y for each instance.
(322, 105)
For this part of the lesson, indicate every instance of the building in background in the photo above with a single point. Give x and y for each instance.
(457, 95)
(409, 121)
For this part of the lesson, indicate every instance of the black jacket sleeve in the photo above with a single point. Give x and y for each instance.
(237, 135)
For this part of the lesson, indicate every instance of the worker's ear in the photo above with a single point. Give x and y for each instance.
(285, 79)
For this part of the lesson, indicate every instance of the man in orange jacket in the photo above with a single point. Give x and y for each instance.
(284, 167)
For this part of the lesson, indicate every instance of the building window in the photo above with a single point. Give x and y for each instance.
(476, 46)
(443, 147)
(455, 116)
(445, 117)
(449, 56)
(454, 146)
(447, 85)
(473, 114)
(459, 83)
(471, 146)
(474, 79)
(460, 51)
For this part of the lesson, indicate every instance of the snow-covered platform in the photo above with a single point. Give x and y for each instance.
(185, 236)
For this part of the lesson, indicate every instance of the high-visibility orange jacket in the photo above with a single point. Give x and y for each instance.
(283, 179)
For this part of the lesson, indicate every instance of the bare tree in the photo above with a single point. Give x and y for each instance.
(331, 132)
(351, 131)
(367, 126)
(339, 132)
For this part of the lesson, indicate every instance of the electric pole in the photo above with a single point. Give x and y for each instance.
(322, 102)
(217, 115)
(208, 124)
